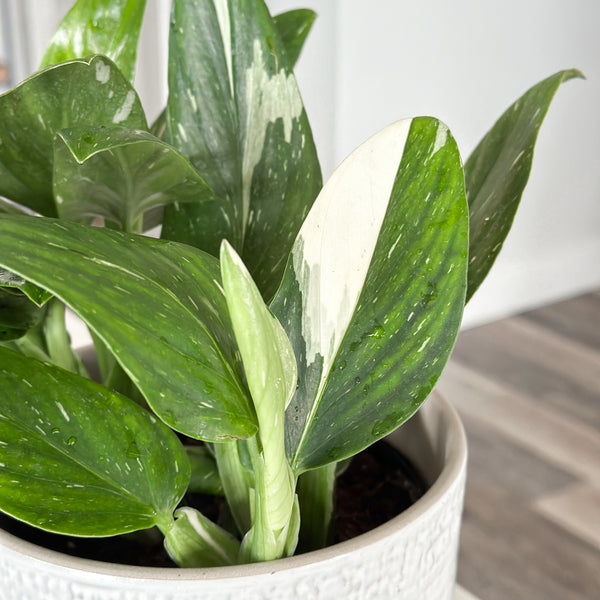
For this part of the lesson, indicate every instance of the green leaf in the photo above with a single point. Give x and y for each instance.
(195, 541)
(374, 291)
(497, 171)
(159, 126)
(78, 459)
(157, 305)
(293, 27)
(37, 295)
(109, 27)
(266, 352)
(120, 174)
(85, 92)
(271, 374)
(235, 111)
(17, 314)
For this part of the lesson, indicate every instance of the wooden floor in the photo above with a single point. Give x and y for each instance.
(528, 389)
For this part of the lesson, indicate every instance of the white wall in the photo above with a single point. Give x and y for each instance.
(369, 63)
(464, 62)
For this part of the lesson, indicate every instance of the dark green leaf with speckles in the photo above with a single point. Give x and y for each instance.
(293, 27)
(109, 27)
(120, 174)
(497, 171)
(85, 92)
(235, 112)
(157, 305)
(374, 291)
(76, 458)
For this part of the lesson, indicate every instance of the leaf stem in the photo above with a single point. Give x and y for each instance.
(58, 341)
(238, 481)
(275, 509)
(193, 540)
(316, 492)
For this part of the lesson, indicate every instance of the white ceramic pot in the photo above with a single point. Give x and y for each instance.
(412, 557)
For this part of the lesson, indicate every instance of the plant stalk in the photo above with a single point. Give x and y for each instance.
(316, 492)
(58, 341)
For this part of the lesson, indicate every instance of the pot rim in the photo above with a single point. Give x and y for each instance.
(453, 453)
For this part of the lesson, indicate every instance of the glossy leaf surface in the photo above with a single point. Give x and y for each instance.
(374, 291)
(77, 458)
(120, 174)
(293, 27)
(266, 352)
(157, 305)
(109, 27)
(235, 111)
(497, 171)
(84, 92)
(8, 279)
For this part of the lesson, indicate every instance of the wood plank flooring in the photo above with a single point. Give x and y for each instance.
(528, 390)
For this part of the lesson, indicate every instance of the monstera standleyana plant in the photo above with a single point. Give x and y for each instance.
(286, 326)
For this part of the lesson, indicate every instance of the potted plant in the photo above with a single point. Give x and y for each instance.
(274, 332)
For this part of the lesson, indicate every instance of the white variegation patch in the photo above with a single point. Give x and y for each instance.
(268, 98)
(441, 137)
(222, 9)
(335, 245)
(125, 109)
(102, 72)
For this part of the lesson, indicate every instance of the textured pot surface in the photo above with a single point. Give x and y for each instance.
(412, 557)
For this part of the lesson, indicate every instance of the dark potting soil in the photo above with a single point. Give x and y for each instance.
(378, 484)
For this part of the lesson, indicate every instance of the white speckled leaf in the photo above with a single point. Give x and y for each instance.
(497, 172)
(235, 111)
(109, 27)
(373, 294)
(84, 92)
(77, 458)
(158, 306)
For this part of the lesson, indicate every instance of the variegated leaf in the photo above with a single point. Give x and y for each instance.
(84, 92)
(235, 111)
(374, 291)
(293, 27)
(109, 27)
